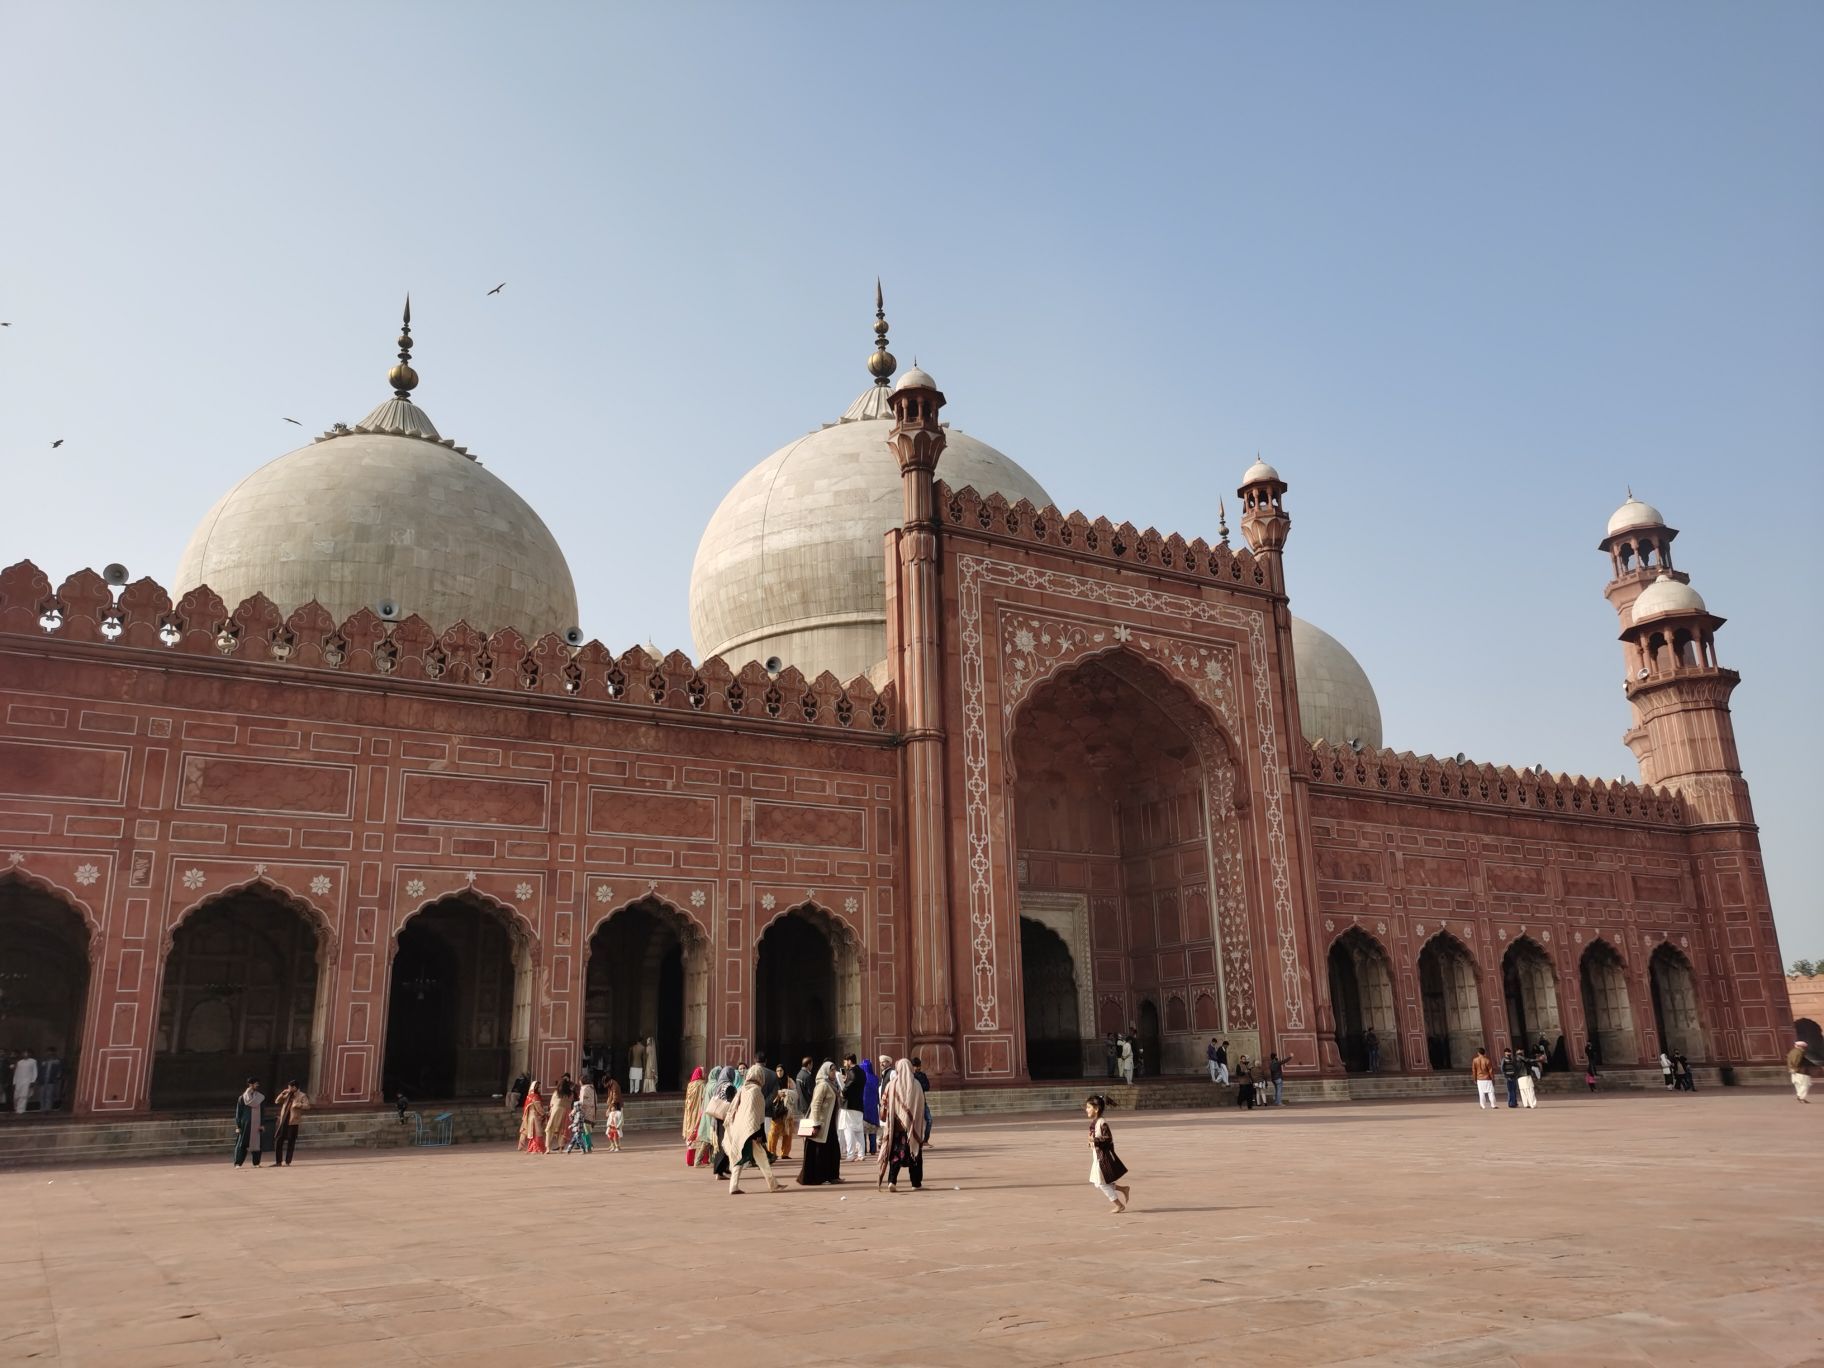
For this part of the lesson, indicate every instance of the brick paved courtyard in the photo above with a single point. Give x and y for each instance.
(1623, 1230)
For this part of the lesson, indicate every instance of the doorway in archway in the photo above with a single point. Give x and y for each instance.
(648, 978)
(807, 988)
(1675, 1003)
(1054, 1046)
(1361, 995)
(450, 1010)
(1453, 1007)
(238, 1001)
(1149, 1063)
(44, 984)
(1529, 988)
(1607, 1018)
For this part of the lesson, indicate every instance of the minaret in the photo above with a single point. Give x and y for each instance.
(1682, 735)
(1264, 520)
(918, 443)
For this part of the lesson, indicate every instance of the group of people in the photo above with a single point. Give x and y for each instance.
(1124, 1054)
(27, 1081)
(1251, 1082)
(1676, 1070)
(565, 1122)
(740, 1117)
(250, 1118)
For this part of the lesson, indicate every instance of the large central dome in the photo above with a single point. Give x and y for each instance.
(793, 562)
(386, 512)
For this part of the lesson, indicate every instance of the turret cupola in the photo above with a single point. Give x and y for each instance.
(1264, 520)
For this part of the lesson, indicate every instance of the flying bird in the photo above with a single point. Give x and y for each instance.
(5, 325)
(498, 288)
(294, 422)
(56, 444)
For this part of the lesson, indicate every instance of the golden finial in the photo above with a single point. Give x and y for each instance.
(404, 379)
(1222, 522)
(882, 363)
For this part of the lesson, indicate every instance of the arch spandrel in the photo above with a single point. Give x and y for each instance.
(689, 928)
(272, 890)
(16, 873)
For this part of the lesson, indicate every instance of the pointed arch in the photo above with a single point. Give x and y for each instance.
(1450, 1001)
(1529, 990)
(17, 873)
(650, 980)
(265, 886)
(1675, 1002)
(1363, 999)
(807, 984)
(1608, 1016)
(49, 951)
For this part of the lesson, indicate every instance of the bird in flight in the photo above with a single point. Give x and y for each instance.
(294, 422)
(5, 325)
(498, 288)
(56, 444)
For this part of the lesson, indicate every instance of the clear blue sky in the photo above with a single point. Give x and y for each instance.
(1462, 272)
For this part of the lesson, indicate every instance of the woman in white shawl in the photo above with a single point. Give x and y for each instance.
(822, 1154)
(744, 1134)
(902, 1128)
(247, 1123)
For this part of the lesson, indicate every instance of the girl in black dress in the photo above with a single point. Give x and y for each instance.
(1105, 1167)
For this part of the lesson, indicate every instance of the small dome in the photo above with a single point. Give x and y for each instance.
(1634, 513)
(792, 563)
(1667, 595)
(385, 511)
(1259, 471)
(914, 379)
(1336, 703)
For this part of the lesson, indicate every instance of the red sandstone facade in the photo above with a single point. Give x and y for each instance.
(1083, 805)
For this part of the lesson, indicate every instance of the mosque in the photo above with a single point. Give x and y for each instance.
(954, 773)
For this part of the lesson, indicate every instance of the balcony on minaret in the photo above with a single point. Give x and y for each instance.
(1670, 634)
(1264, 520)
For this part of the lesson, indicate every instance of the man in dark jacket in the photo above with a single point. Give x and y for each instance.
(769, 1081)
(849, 1125)
(807, 1081)
(918, 1072)
(1510, 1070)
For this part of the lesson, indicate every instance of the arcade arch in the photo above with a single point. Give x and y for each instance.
(459, 1001)
(648, 976)
(44, 979)
(1607, 1018)
(1675, 1003)
(1054, 1040)
(244, 995)
(807, 987)
(1361, 995)
(1530, 988)
(1452, 1006)
(1124, 795)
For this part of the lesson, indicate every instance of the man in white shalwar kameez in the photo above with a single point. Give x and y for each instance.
(652, 1066)
(25, 1074)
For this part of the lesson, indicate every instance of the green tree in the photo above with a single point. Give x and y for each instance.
(1806, 968)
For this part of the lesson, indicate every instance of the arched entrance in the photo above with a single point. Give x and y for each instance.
(1125, 796)
(1054, 1046)
(1807, 1033)
(1453, 1007)
(44, 981)
(1675, 1003)
(648, 975)
(1531, 992)
(460, 970)
(1361, 995)
(1608, 1022)
(239, 1000)
(807, 988)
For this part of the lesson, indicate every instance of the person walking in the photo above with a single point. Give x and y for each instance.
(1482, 1069)
(822, 1152)
(1127, 1060)
(782, 1122)
(532, 1121)
(744, 1137)
(636, 1065)
(1209, 1058)
(1666, 1071)
(1372, 1044)
(1276, 1074)
(580, 1126)
(25, 1076)
(1529, 1088)
(247, 1120)
(289, 1108)
(849, 1130)
(1589, 1075)
(1799, 1067)
(1222, 1063)
(924, 1081)
(50, 1081)
(617, 1122)
(873, 1076)
(1105, 1167)
(587, 1098)
(902, 1129)
(806, 1081)
(705, 1144)
(693, 1115)
(1510, 1070)
(557, 1124)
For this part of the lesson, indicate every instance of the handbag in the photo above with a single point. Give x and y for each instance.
(807, 1127)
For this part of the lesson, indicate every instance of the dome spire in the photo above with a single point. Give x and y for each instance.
(403, 378)
(882, 363)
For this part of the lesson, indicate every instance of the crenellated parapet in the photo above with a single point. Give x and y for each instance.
(1077, 535)
(1401, 774)
(85, 609)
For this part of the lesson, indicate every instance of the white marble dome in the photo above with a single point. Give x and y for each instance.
(1667, 595)
(792, 563)
(1259, 471)
(387, 511)
(1634, 513)
(1336, 703)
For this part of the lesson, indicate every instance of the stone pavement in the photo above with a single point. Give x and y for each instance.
(1610, 1230)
